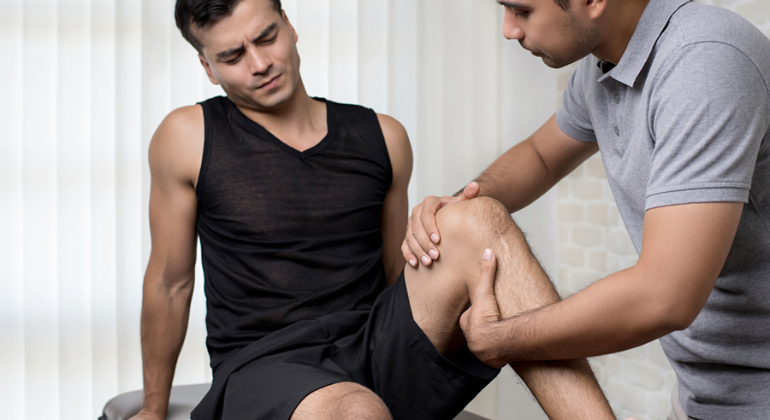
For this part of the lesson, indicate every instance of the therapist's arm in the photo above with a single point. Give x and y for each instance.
(683, 250)
(517, 178)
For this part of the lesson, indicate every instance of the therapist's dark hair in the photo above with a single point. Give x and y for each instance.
(204, 12)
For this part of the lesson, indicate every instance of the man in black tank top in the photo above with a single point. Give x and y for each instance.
(300, 205)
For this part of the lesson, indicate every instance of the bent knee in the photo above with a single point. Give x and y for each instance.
(343, 400)
(481, 220)
(362, 405)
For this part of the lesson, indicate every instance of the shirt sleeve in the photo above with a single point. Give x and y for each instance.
(709, 113)
(574, 115)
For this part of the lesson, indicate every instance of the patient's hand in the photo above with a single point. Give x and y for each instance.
(421, 232)
(479, 321)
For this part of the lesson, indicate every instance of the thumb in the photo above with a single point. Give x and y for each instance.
(484, 299)
(471, 190)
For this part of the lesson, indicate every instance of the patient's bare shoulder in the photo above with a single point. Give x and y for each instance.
(176, 149)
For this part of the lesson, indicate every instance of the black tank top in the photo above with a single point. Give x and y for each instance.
(288, 235)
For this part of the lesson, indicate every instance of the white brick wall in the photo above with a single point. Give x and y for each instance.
(594, 243)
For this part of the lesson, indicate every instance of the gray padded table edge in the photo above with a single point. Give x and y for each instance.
(183, 399)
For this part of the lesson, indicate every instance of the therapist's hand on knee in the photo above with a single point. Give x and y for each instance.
(422, 234)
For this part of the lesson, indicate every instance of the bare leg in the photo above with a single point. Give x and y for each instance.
(342, 401)
(440, 293)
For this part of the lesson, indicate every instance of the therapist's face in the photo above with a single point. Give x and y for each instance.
(559, 37)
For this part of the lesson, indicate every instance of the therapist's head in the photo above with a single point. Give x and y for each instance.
(558, 31)
(246, 46)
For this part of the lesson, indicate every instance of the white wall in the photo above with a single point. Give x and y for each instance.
(86, 82)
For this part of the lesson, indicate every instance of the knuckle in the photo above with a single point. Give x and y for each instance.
(415, 248)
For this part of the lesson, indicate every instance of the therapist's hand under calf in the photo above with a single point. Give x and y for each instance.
(479, 321)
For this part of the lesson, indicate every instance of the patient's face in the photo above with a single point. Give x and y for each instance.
(253, 55)
(557, 36)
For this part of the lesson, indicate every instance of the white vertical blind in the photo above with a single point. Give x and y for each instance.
(343, 51)
(73, 164)
(130, 201)
(104, 212)
(85, 85)
(12, 280)
(40, 200)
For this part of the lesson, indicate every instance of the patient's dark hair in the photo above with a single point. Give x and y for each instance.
(203, 12)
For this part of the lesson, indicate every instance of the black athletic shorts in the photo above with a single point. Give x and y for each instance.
(382, 349)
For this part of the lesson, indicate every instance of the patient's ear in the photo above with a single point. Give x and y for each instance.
(207, 67)
(291, 28)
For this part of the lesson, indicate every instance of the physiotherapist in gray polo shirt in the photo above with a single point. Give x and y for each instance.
(675, 95)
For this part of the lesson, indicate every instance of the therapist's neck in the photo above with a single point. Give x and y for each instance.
(617, 25)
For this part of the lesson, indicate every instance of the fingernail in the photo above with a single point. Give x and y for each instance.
(487, 254)
(413, 262)
(433, 254)
(434, 238)
(425, 260)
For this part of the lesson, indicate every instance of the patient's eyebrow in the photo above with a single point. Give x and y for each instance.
(261, 36)
(512, 4)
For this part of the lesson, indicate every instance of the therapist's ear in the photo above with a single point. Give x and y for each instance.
(594, 9)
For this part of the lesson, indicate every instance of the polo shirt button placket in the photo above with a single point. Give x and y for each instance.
(617, 98)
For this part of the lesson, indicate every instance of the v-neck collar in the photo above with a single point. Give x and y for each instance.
(262, 133)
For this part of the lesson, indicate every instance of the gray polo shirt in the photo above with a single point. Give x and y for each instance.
(684, 118)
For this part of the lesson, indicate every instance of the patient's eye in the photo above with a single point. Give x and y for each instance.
(233, 60)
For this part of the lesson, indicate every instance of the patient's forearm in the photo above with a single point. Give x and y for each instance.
(165, 314)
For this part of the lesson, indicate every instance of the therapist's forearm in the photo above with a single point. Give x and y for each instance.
(517, 178)
(617, 313)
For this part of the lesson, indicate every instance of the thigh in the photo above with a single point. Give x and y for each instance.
(339, 401)
(410, 375)
(273, 386)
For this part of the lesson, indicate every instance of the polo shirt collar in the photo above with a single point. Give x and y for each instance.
(652, 23)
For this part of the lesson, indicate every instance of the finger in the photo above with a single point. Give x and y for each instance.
(417, 250)
(484, 299)
(421, 236)
(424, 242)
(412, 251)
(413, 243)
(410, 258)
(428, 219)
(471, 190)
